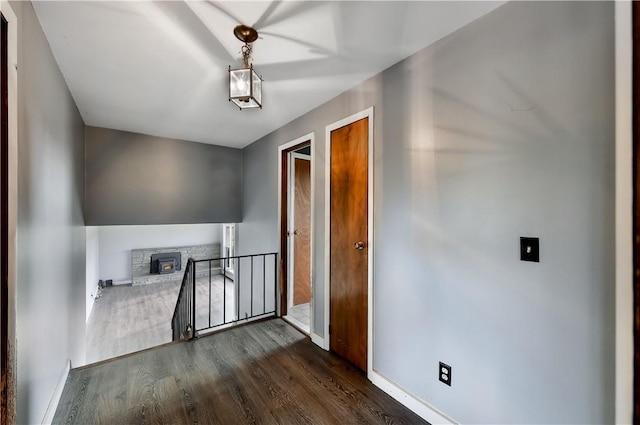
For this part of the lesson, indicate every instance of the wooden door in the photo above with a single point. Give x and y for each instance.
(349, 244)
(302, 230)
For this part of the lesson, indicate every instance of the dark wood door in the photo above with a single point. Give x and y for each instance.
(349, 244)
(302, 231)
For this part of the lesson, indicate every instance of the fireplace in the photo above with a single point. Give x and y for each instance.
(167, 265)
(166, 262)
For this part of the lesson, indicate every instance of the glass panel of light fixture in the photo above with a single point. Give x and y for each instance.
(240, 85)
(257, 87)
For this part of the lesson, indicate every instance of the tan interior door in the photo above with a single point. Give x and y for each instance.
(302, 231)
(349, 243)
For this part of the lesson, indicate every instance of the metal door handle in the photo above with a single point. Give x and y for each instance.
(359, 246)
(296, 232)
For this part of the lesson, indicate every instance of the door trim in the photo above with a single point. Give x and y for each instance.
(625, 208)
(367, 113)
(8, 390)
(283, 149)
(635, 140)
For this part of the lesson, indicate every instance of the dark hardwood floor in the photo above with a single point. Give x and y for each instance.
(262, 373)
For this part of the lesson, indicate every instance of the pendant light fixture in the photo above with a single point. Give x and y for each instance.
(245, 85)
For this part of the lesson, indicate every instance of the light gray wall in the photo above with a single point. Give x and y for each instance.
(138, 179)
(503, 129)
(51, 235)
(116, 242)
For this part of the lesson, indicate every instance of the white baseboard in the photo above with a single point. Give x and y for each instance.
(297, 324)
(57, 394)
(419, 407)
(318, 340)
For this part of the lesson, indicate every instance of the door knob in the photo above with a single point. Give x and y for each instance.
(359, 246)
(296, 232)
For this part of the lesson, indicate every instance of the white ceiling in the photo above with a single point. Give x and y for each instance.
(160, 67)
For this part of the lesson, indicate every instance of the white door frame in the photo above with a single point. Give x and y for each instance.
(290, 215)
(310, 137)
(12, 161)
(367, 113)
(229, 272)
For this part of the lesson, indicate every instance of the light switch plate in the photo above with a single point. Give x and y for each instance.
(530, 249)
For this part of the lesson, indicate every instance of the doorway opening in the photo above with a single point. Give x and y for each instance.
(228, 249)
(296, 205)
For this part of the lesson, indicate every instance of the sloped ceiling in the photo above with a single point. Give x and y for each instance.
(160, 67)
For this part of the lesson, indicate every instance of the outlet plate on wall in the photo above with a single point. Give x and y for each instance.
(444, 373)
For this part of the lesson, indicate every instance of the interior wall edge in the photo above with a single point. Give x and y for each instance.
(624, 214)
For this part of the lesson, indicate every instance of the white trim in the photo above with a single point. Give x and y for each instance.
(419, 407)
(57, 394)
(624, 215)
(12, 160)
(229, 272)
(297, 324)
(313, 231)
(367, 113)
(310, 137)
(317, 339)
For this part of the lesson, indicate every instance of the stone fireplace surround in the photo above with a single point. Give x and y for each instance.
(141, 262)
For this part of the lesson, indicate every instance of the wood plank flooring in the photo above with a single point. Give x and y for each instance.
(260, 373)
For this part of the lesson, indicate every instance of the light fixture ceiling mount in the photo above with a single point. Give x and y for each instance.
(245, 34)
(245, 85)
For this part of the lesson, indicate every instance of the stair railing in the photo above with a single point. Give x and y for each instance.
(184, 314)
(211, 296)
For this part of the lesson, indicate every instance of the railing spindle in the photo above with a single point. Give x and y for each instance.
(209, 293)
(251, 309)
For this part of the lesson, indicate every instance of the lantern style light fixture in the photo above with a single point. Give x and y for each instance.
(245, 85)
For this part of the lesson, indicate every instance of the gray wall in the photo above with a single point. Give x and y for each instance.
(138, 179)
(503, 129)
(51, 233)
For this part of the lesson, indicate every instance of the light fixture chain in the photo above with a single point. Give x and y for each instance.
(246, 54)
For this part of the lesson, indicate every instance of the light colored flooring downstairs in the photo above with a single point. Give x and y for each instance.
(126, 318)
(265, 372)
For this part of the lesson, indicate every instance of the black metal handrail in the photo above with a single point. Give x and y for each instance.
(211, 297)
(182, 319)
